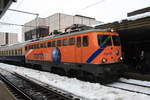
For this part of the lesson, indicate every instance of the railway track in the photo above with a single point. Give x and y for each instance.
(25, 89)
(15, 90)
(131, 87)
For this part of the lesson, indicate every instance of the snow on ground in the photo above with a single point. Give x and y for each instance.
(92, 91)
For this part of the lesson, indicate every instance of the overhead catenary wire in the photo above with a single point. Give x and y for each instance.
(11, 24)
(89, 6)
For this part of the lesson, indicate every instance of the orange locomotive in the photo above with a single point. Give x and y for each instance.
(92, 55)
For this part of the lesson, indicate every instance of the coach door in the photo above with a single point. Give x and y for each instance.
(78, 50)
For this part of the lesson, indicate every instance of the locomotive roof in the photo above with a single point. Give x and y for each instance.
(71, 34)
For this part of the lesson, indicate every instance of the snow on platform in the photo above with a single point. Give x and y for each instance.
(92, 91)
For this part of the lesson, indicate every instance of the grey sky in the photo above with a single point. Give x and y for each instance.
(104, 10)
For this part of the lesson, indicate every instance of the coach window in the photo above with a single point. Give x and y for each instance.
(65, 42)
(35, 46)
(15, 52)
(19, 51)
(30, 47)
(58, 42)
(53, 43)
(49, 44)
(78, 41)
(85, 41)
(26, 48)
(9, 52)
(12, 52)
(71, 41)
(6, 53)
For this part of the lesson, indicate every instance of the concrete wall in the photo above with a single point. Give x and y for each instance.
(12, 38)
(2, 38)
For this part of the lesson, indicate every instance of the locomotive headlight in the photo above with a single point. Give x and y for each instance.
(104, 60)
(121, 58)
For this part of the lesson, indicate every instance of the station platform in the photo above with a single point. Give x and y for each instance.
(5, 94)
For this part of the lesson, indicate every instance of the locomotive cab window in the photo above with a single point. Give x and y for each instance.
(104, 40)
(116, 40)
(85, 41)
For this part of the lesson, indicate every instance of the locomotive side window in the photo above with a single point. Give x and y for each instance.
(104, 40)
(116, 40)
(53, 43)
(44, 45)
(65, 42)
(49, 44)
(85, 41)
(78, 41)
(71, 41)
(58, 42)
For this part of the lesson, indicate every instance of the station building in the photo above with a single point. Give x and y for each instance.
(41, 27)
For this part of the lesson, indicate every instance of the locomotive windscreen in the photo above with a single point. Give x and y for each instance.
(104, 40)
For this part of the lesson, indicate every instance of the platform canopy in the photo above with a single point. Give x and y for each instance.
(4, 5)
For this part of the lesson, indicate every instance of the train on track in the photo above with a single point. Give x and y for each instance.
(93, 54)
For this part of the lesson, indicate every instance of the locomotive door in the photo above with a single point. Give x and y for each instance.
(78, 51)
